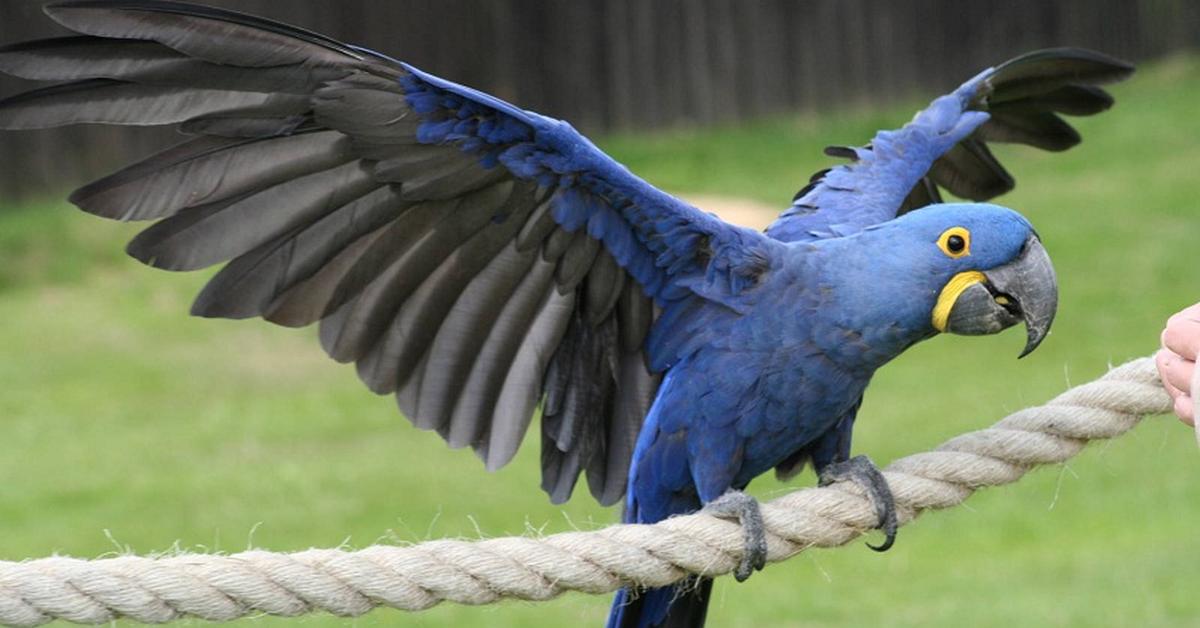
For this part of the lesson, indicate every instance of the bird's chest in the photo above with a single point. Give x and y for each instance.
(793, 407)
(792, 375)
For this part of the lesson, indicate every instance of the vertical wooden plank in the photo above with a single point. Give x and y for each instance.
(598, 71)
(552, 43)
(645, 87)
(530, 55)
(829, 31)
(570, 71)
(886, 79)
(669, 63)
(724, 59)
(498, 59)
(751, 80)
(619, 59)
(908, 31)
(856, 18)
(791, 80)
(773, 50)
(809, 36)
(697, 64)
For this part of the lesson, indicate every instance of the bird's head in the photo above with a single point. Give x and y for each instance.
(962, 268)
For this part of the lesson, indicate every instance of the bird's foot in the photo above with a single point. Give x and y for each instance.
(864, 473)
(746, 509)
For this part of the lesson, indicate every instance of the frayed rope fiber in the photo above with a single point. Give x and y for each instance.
(351, 583)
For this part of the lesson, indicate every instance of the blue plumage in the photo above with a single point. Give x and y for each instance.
(475, 259)
(868, 191)
(761, 385)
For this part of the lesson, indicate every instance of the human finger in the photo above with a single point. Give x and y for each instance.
(1175, 371)
(1185, 409)
(1182, 333)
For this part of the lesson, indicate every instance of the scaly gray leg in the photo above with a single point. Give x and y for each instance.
(745, 508)
(864, 473)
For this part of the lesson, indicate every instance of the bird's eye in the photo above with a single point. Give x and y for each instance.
(955, 242)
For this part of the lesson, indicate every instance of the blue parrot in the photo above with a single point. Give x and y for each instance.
(477, 260)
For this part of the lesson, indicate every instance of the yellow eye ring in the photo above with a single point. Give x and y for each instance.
(955, 242)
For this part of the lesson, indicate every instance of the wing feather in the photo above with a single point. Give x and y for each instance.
(104, 101)
(208, 169)
(150, 63)
(189, 241)
(473, 318)
(490, 374)
(945, 145)
(399, 261)
(470, 257)
(307, 301)
(252, 282)
(211, 34)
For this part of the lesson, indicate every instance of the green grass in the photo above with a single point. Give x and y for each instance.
(129, 426)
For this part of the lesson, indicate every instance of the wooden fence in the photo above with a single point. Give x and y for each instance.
(621, 64)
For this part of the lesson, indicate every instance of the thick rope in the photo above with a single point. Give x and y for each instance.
(351, 583)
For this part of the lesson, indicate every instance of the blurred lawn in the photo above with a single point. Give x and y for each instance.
(132, 427)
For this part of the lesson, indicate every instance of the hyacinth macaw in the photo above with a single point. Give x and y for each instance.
(476, 260)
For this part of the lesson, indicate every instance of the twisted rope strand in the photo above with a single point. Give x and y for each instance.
(351, 583)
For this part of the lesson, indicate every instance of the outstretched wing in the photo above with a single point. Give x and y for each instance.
(470, 257)
(946, 145)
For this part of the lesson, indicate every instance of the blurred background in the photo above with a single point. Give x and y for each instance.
(130, 427)
(629, 64)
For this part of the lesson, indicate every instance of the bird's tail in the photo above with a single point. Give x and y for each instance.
(680, 606)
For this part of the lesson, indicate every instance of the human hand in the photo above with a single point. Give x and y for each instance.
(1177, 359)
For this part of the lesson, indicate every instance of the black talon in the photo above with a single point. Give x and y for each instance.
(864, 473)
(745, 508)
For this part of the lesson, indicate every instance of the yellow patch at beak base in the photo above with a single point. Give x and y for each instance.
(950, 293)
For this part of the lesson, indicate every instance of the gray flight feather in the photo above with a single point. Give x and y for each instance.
(308, 301)
(497, 359)
(470, 326)
(205, 170)
(399, 261)
(182, 242)
(150, 63)
(103, 101)
(249, 284)
(217, 39)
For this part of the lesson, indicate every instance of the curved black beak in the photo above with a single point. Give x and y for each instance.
(1023, 289)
